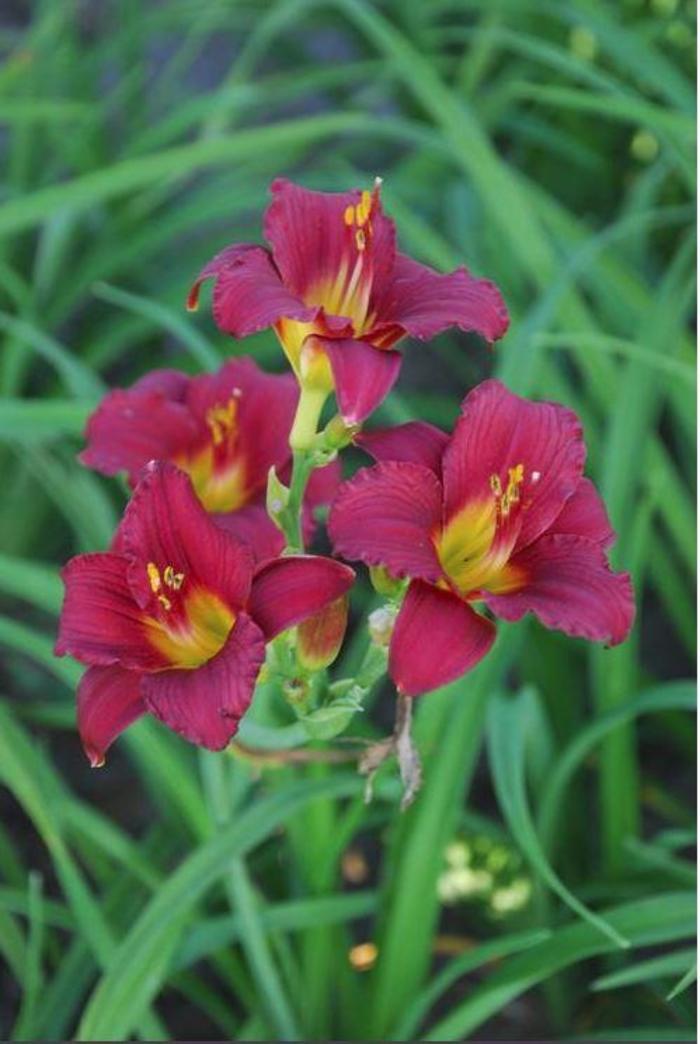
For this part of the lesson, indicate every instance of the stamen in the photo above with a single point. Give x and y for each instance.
(351, 287)
(349, 215)
(221, 419)
(515, 475)
(360, 241)
(173, 579)
(153, 576)
(511, 495)
(363, 208)
(165, 602)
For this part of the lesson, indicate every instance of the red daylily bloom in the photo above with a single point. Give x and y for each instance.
(498, 512)
(340, 296)
(226, 430)
(174, 620)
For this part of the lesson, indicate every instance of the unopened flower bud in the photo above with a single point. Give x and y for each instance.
(380, 624)
(296, 691)
(320, 637)
(384, 583)
(337, 434)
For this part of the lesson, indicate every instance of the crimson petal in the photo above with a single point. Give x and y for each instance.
(437, 637)
(131, 427)
(416, 441)
(109, 700)
(584, 514)
(363, 375)
(253, 526)
(499, 430)
(569, 586)
(309, 236)
(424, 302)
(165, 524)
(100, 622)
(171, 384)
(386, 515)
(290, 589)
(205, 705)
(248, 293)
(322, 487)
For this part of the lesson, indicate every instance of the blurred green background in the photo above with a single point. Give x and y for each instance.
(543, 882)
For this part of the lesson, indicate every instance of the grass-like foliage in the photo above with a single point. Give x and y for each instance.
(542, 882)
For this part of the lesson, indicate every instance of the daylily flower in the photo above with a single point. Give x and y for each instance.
(224, 429)
(340, 296)
(498, 513)
(173, 620)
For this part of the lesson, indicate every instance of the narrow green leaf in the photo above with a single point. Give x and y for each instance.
(158, 314)
(31, 421)
(678, 695)
(506, 733)
(660, 919)
(687, 980)
(109, 1013)
(460, 966)
(646, 971)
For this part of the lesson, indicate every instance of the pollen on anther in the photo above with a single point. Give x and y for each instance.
(495, 484)
(360, 240)
(153, 576)
(349, 215)
(364, 208)
(172, 579)
(165, 602)
(515, 475)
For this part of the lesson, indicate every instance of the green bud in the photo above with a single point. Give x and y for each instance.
(331, 720)
(384, 583)
(277, 497)
(337, 434)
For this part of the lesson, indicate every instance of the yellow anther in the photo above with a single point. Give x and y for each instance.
(364, 208)
(511, 495)
(153, 576)
(360, 240)
(349, 215)
(165, 602)
(173, 579)
(221, 420)
(515, 475)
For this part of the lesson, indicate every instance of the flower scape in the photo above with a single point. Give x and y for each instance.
(208, 587)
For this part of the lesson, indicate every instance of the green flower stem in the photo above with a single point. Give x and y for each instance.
(313, 450)
(373, 666)
(290, 519)
(311, 402)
